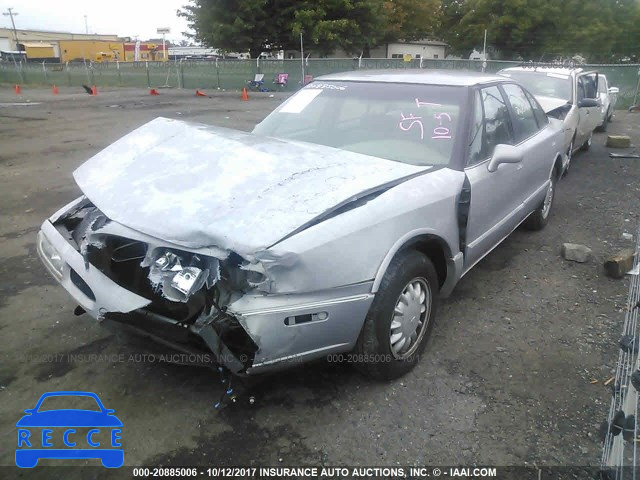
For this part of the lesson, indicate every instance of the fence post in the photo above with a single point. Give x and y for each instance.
(66, 64)
(119, 75)
(181, 74)
(44, 69)
(148, 77)
(217, 73)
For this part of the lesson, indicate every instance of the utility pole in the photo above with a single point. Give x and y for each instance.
(11, 13)
(302, 57)
(484, 51)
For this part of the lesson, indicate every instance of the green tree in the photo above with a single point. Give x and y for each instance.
(352, 25)
(451, 13)
(253, 25)
(263, 25)
(514, 27)
(411, 19)
(599, 30)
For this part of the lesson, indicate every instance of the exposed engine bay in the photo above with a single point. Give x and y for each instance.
(186, 289)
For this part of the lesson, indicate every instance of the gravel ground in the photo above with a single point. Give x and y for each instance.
(515, 367)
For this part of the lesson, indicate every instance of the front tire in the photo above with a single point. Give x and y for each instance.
(605, 122)
(569, 155)
(587, 144)
(400, 319)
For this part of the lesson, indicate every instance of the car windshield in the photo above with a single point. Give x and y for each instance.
(409, 123)
(66, 402)
(544, 84)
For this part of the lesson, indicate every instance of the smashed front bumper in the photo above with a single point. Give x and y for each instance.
(280, 330)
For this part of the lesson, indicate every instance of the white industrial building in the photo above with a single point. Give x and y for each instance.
(414, 49)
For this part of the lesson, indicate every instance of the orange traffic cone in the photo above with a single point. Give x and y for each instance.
(153, 91)
(245, 95)
(94, 91)
(201, 94)
(17, 89)
(54, 90)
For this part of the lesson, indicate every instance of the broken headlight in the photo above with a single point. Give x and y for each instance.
(50, 256)
(178, 275)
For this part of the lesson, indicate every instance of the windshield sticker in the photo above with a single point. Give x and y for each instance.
(300, 101)
(329, 86)
(440, 132)
(422, 104)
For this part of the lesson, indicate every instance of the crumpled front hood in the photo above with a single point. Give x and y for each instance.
(198, 186)
(549, 104)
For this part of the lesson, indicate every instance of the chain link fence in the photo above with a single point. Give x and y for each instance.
(234, 74)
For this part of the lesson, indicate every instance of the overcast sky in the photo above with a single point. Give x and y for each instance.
(126, 18)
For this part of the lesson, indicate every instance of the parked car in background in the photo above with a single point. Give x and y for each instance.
(608, 98)
(333, 227)
(568, 94)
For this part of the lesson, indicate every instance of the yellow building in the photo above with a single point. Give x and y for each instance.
(90, 50)
(8, 37)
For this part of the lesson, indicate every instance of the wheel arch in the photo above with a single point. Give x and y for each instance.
(426, 242)
(557, 166)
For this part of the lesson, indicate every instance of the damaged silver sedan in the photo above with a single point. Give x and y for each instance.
(333, 227)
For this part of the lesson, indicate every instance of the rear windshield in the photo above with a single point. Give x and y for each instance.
(414, 124)
(544, 84)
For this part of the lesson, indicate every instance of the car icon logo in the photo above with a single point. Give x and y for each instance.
(69, 433)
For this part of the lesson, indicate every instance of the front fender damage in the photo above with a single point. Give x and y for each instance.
(199, 295)
(189, 289)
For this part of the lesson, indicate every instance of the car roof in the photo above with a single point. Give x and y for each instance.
(418, 76)
(540, 69)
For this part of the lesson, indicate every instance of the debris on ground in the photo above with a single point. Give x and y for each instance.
(618, 141)
(624, 155)
(627, 236)
(575, 252)
(617, 265)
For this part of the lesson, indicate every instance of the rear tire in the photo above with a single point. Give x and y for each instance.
(388, 346)
(540, 217)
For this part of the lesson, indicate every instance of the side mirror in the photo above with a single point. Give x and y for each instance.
(614, 90)
(588, 102)
(504, 154)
